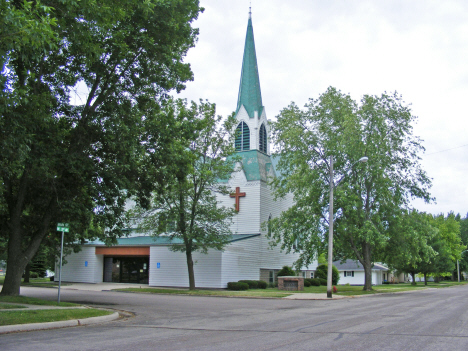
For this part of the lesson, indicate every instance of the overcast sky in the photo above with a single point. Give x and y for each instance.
(417, 48)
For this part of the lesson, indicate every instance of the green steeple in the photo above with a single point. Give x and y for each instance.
(249, 90)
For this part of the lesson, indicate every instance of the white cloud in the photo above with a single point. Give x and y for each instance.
(418, 48)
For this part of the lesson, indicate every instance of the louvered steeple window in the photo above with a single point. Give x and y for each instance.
(242, 137)
(263, 139)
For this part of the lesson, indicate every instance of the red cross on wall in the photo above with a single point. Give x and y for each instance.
(237, 195)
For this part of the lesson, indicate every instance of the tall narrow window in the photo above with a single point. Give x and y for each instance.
(269, 225)
(263, 139)
(242, 137)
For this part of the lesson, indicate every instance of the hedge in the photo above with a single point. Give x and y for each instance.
(322, 281)
(255, 284)
(237, 286)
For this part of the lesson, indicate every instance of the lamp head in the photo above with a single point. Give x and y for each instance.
(363, 159)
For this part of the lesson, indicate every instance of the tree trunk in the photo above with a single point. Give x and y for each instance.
(425, 278)
(367, 264)
(17, 258)
(191, 273)
(27, 273)
(14, 273)
(414, 278)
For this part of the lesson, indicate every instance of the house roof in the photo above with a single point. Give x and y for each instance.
(250, 95)
(352, 265)
(148, 240)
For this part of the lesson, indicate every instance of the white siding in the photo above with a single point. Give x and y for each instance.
(76, 269)
(358, 278)
(272, 257)
(173, 268)
(240, 260)
(246, 221)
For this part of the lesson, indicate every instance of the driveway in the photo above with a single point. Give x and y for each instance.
(434, 319)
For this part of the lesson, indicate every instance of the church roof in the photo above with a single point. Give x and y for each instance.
(249, 89)
(148, 240)
(255, 165)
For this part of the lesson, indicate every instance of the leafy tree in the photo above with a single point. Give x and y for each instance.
(464, 238)
(77, 161)
(368, 196)
(187, 197)
(322, 272)
(447, 244)
(410, 245)
(321, 259)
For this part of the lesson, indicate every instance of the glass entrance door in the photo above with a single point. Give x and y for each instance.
(127, 269)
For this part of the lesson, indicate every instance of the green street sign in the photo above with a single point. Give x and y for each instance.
(63, 227)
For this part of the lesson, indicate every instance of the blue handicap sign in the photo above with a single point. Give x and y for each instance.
(158, 265)
(86, 263)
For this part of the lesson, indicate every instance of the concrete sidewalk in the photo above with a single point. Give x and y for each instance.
(100, 286)
(111, 286)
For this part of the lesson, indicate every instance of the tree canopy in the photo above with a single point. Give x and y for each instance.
(185, 205)
(82, 84)
(369, 196)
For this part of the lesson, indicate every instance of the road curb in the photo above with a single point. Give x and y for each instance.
(59, 324)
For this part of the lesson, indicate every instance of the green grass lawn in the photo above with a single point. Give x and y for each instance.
(37, 282)
(247, 293)
(43, 316)
(34, 301)
(343, 290)
(7, 306)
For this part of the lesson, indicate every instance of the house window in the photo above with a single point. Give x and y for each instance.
(242, 137)
(349, 273)
(311, 274)
(272, 277)
(263, 139)
(304, 274)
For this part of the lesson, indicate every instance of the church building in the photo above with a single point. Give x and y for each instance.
(148, 259)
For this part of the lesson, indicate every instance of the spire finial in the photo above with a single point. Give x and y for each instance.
(250, 9)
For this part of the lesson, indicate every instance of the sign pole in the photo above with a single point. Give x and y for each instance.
(60, 269)
(61, 227)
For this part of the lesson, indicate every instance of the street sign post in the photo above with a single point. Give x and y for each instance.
(61, 227)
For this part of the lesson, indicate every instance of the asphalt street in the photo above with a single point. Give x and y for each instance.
(434, 319)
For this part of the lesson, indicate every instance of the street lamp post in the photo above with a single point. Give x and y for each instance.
(458, 267)
(330, 223)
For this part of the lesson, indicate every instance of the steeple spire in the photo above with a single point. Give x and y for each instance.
(249, 90)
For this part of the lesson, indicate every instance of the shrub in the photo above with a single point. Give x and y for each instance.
(314, 281)
(33, 275)
(286, 271)
(237, 286)
(253, 284)
(306, 283)
(322, 272)
(322, 281)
